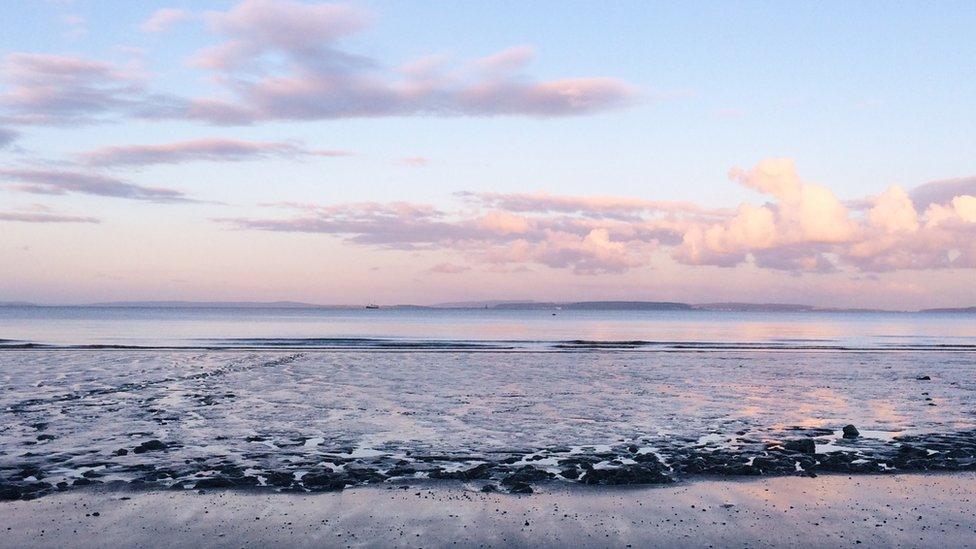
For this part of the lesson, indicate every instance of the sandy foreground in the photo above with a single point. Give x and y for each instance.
(867, 511)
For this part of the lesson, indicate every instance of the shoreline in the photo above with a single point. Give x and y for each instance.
(931, 509)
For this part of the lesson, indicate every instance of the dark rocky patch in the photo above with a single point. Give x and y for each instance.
(325, 481)
(526, 474)
(482, 471)
(801, 445)
(571, 473)
(628, 474)
(149, 446)
(520, 488)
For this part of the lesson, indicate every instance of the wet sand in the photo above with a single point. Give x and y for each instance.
(909, 510)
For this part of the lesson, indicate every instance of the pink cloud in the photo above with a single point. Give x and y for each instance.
(940, 192)
(610, 206)
(803, 229)
(163, 19)
(55, 182)
(414, 161)
(41, 217)
(198, 150)
(448, 268)
(63, 89)
(508, 60)
(283, 60)
(255, 27)
(317, 80)
(493, 237)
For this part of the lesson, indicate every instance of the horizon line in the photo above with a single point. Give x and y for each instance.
(497, 304)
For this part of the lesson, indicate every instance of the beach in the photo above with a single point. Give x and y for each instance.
(910, 510)
(724, 429)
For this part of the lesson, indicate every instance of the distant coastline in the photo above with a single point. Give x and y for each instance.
(515, 305)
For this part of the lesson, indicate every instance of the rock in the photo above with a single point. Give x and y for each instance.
(520, 488)
(215, 482)
(149, 446)
(401, 471)
(325, 481)
(631, 474)
(489, 488)
(279, 479)
(482, 471)
(526, 474)
(770, 464)
(121, 452)
(363, 476)
(851, 431)
(571, 473)
(9, 492)
(801, 445)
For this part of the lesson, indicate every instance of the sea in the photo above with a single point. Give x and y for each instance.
(305, 399)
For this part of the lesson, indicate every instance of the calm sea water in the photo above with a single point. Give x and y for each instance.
(196, 326)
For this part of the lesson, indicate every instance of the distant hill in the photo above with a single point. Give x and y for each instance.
(969, 310)
(216, 305)
(488, 304)
(755, 307)
(598, 306)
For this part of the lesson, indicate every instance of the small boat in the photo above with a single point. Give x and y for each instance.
(372, 306)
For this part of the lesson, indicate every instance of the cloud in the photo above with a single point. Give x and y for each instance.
(77, 25)
(802, 214)
(281, 61)
(7, 136)
(803, 228)
(39, 213)
(416, 161)
(448, 268)
(227, 150)
(491, 237)
(594, 206)
(507, 61)
(940, 192)
(55, 182)
(40, 217)
(163, 19)
(65, 90)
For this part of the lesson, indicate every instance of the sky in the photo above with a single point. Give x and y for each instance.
(426, 152)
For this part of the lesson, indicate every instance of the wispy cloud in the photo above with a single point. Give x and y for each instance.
(226, 150)
(40, 217)
(56, 182)
(318, 80)
(448, 268)
(163, 19)
(77, 25)
(7, 136)
(598, 206)
(39, 213)
(804, 229)
(283, 60)
(416, 161)
(68, 90)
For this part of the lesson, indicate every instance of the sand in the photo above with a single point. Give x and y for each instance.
(911, 510)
